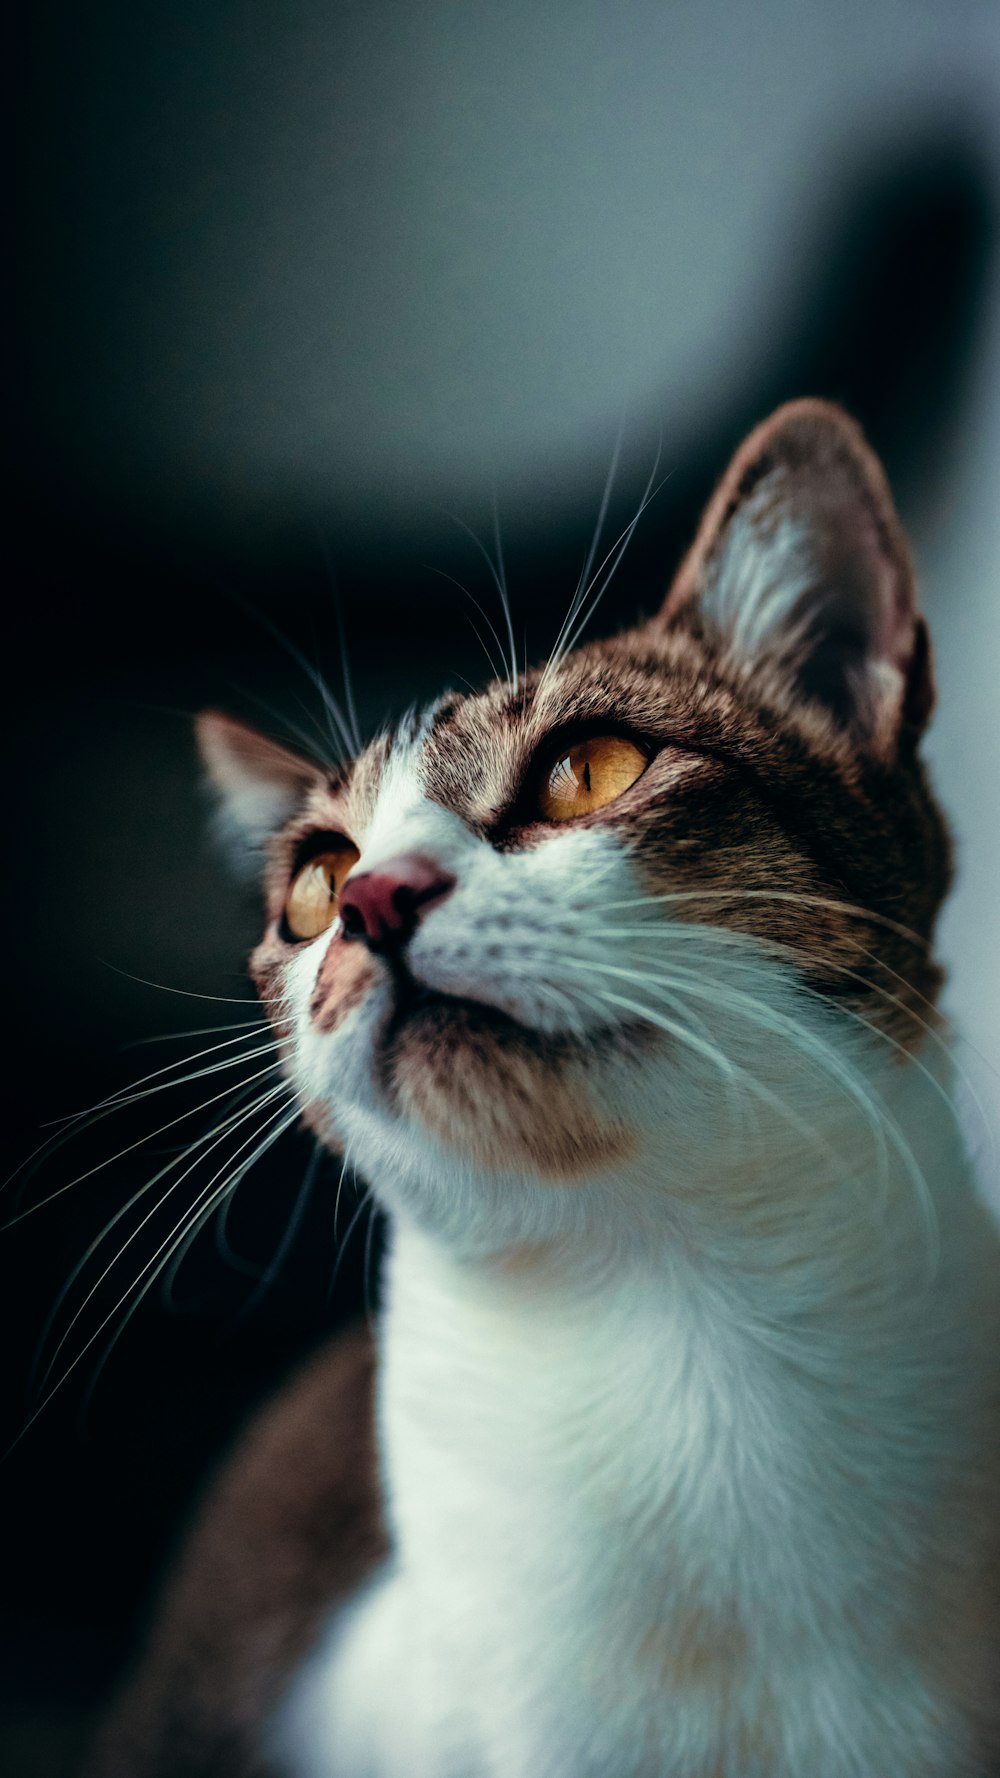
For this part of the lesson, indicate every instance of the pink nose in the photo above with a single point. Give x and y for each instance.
(383, 907)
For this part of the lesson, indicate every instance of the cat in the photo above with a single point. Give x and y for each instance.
(680, 1457)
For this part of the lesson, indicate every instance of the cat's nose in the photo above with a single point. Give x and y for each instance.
(384, 907)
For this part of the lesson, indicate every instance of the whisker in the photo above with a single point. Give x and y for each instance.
(501, 579)
(284, 1246)
(578, 594)
(312, 747)
(342, 1248)
(620, 546)
(169, 1244)
(492, 664)
(209, 1139)
(708, 1050)
(818, 901)
(79, 1121)
(225, 1250)
(188, 993)
(497, 674)
(353, 726)
(99, 1166)
(880, 1121)
(128, 1095)
(366, 1267)
(87, 1120)
(788, 954)
(336, 1201)
(733, 1073)
(764, 1094)
(498, 581)
(328, 736)
(334, 714)
(564, 1001)
(243, 604)
(199, 1031)
(221, 1203)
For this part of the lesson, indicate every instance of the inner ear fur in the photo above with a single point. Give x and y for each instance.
(258, 783)
(801, 562)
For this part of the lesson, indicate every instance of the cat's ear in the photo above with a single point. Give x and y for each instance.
(801, 568)
(258, 784)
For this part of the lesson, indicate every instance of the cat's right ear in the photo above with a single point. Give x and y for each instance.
(258, 784)
(801, 575)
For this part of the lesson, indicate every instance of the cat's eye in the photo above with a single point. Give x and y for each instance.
(311, 902)
(589, 775)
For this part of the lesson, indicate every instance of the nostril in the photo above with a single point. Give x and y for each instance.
(352, 920)
(383, 907)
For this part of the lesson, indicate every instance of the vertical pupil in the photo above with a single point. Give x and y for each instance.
(586, 776)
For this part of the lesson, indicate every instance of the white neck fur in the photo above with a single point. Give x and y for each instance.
(672, 1508)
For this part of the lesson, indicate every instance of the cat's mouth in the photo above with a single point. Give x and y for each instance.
(439, 1018)
(416, 1005)
(426, 1030)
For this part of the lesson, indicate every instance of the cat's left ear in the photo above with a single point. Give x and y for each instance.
(801, 569)
(258, 783)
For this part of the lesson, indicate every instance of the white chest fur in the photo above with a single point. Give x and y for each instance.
(645, 1529)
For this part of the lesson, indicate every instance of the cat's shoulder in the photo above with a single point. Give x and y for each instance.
(291, 1525)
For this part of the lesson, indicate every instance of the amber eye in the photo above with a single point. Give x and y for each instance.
(591, 774)
(311, 902)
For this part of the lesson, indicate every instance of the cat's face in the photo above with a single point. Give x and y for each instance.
(542, 935)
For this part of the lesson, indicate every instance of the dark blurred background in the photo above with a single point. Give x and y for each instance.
(300, 286)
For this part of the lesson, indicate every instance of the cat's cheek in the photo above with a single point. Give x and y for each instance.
(338, 999)
(344, 980)
(268, 971)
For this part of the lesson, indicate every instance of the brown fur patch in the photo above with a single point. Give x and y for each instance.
(344, 978)
(528, 1259)
(691, 1648)
(480, 1085)
(293, 1524)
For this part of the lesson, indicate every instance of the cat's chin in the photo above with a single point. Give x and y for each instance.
(478, 1081)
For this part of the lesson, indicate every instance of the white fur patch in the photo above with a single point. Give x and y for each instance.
(765, 567)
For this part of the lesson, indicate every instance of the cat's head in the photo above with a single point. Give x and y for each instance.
(588, 926)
